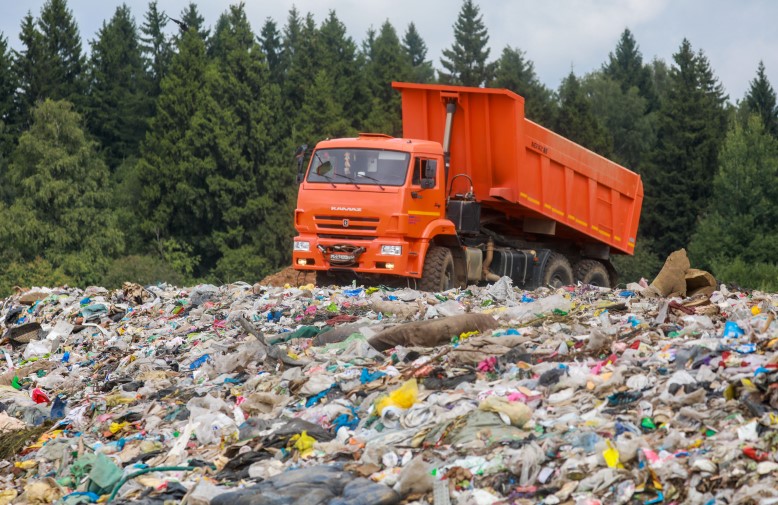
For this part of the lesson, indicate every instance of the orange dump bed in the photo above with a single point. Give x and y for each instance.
(523, 169)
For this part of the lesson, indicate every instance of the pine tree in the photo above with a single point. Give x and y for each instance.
(691, 127)
(516, 73)
(239, 192)
(337, 55)
(741, 222)
(29, 71)
(575, 119)
(65, 63)
(624, 114)
(191, 19)
(156, 48)
(299, 58)
(416, 52)
(8, 117)
(760, 99)
(270, 40)
(119, 104)
(162, 206)
(626, 67)
(61, 198)
(466, 60)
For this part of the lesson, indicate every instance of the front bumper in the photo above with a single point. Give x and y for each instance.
(337, 254)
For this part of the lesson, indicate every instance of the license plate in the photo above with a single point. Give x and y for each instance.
(341, 257)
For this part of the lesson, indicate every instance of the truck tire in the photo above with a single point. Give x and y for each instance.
(558, 271)
(438, 272)
(592, 272)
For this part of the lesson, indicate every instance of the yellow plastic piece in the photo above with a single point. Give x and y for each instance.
(403, 397)
(303, 443)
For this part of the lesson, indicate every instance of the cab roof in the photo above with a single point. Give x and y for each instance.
(381, 141)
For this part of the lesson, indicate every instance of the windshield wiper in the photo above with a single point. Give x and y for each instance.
(329, 179)
(372, 179)
(353, 181)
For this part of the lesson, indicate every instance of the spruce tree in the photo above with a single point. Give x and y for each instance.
(336, 53)
(241, 219)
(466, 61)
(62, 193)
(63, 59)
(119, 102)
(155, 47)
(517, 73)
(29, 71)
(416, 52)
(190, 19)
(270, 40)
(624, 114)
(760, 99)
(8, 116)
(575, 119)
(625, 66)
(162, 209)
(741, 222)
(691, 127)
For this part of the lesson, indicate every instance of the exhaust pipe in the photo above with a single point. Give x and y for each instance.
(486, 273)
(451, 108)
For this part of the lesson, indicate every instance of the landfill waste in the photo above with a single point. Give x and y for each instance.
(239, 394)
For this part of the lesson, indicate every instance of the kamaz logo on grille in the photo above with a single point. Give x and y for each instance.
(345, 223)
(347, 209)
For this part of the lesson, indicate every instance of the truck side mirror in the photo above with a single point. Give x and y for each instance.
(427, 183)
(431, 169)
(299, 155)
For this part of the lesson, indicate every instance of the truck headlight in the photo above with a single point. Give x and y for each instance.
(302, 245)
(392, 250)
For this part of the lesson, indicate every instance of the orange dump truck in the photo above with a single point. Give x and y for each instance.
(473, 192)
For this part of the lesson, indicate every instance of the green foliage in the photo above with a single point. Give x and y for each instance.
(270, 40)
(119, 105)
(416, 51)
(26, 274)
(164, 157)
(61, 198)
(645, 263)
(143, 270)
(8, 118)
(625, 66)
(516, 73)
(576, 121)
(466, 61)
(63, 62)
(155, 47)
(741, 222)
(747, 275)
(624, 114)
(386, 64)
(691, 128)
(760, 99)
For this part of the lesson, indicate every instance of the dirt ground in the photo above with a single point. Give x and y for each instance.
(289, 276)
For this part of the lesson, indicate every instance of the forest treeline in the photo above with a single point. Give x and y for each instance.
(156, 157)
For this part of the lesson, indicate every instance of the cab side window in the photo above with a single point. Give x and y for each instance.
(419, 167)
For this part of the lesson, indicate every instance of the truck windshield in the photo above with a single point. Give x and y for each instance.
(371, 167)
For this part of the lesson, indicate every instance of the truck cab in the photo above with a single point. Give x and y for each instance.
(369, 205)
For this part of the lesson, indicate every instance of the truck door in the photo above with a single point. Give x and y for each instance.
(426, 194)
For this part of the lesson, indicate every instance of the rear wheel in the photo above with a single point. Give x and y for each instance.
(592, 272)
(558, 271)
(438, 273)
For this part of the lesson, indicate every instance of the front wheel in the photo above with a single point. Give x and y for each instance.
(438, 272)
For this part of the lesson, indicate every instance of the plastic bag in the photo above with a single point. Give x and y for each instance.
(403, 397)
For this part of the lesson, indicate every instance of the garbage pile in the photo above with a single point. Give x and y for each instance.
(358, 395)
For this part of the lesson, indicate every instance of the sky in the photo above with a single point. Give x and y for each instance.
(556, 35)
